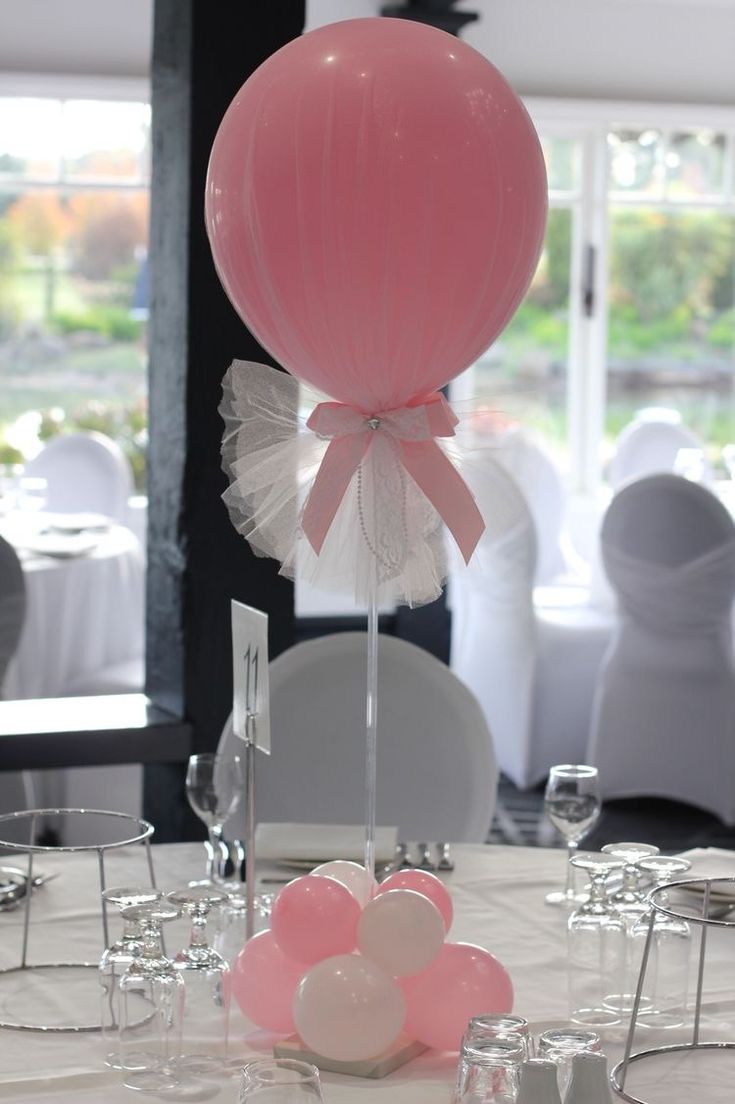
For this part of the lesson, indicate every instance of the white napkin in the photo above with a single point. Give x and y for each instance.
(710, 862)
(317, 843)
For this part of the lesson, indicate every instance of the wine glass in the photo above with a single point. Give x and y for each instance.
(214, 786)
(115, 961)
(151, 1006)
(208, 986)
(630, 900)
(279, 1081)
(596, 946)
(572, 804)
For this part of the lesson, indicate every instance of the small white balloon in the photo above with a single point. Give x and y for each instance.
(348, 1009)
(352, 876)
(402, 931)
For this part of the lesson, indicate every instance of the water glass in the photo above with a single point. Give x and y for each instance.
(280, 1081)
(490, 1026)
(231, 922)
(572, 803)
(489, 1070)
(560, 1044)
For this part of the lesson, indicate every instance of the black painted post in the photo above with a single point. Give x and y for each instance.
(202, 53)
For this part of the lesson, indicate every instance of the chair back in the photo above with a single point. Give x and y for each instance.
(493, 643)
(664, 714)
(436, 772)
(540, 483)
(648, 445)
(85, 472)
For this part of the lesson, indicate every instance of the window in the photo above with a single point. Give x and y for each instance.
(74, 178)
(633, 302)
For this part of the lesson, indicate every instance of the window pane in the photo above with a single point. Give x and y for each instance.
(672, 320)
(105, 140)
(636, 162)
(30, 142)
(695, 165)
(562, 156)
(72, 304)
(523, 376)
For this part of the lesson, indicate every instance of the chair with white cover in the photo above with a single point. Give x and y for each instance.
(84, 472)
(493, 641)
(436, 771)
(530, 655)
(541, 484)
(650, 443)
(15, 788)
(664, 717)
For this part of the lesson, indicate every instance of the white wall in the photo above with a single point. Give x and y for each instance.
(676, 50)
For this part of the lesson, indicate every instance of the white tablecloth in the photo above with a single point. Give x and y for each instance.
(83, 614)
(498, 896)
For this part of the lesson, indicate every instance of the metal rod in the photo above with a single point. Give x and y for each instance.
(103, 887)
(29, 894)
(637, 1000)
(371, 724)
(700, 971)
(149, 857)
(250, 753)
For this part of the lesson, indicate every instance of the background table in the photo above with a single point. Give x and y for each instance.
(84, 613)
(498, 895)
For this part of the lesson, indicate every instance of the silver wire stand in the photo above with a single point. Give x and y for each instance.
(133, 830)
(703, 920)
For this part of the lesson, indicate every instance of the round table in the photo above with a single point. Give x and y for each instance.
(85, 611)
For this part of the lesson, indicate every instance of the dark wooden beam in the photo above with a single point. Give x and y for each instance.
(197, 563)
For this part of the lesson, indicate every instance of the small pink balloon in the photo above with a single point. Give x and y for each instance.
(402, 931)
(347, 1008)
(314, 918)
(462, 981)
(420, 881)
(351, 875)
(264, 981)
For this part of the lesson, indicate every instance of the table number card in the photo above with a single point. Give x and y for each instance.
(250, 700)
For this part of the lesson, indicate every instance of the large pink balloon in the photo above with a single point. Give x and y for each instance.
(376, 202)
(421, 881)
(315, 917)
(264, 981)
(348, 1008)
(462, 981)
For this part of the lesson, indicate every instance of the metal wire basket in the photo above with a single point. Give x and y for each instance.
(705, 923)
(132, 830)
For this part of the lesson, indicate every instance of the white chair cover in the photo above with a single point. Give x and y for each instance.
(85, 472)
(15, 788)
(493, 643)
(650, 444)
(541, 485)
(664, 716)
(436, 772)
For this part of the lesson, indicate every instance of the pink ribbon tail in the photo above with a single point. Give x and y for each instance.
(339, 464)
(447, 491)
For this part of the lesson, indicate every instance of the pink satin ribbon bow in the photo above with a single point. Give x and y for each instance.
(412, 429)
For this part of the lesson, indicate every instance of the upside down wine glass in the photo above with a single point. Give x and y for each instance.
(214, 785)
(572, 804)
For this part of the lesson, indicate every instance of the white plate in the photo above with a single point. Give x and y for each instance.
(76, 523)
(62, 546)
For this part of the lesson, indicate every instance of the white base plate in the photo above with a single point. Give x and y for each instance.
(402, 1051)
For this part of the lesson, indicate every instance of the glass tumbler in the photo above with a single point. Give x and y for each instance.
(151, 1006)
(494, 1026)
(560, 1044)
(115, 961)
(280, 1081)
(489, 1070)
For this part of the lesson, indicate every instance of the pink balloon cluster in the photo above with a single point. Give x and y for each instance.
(350, 965)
